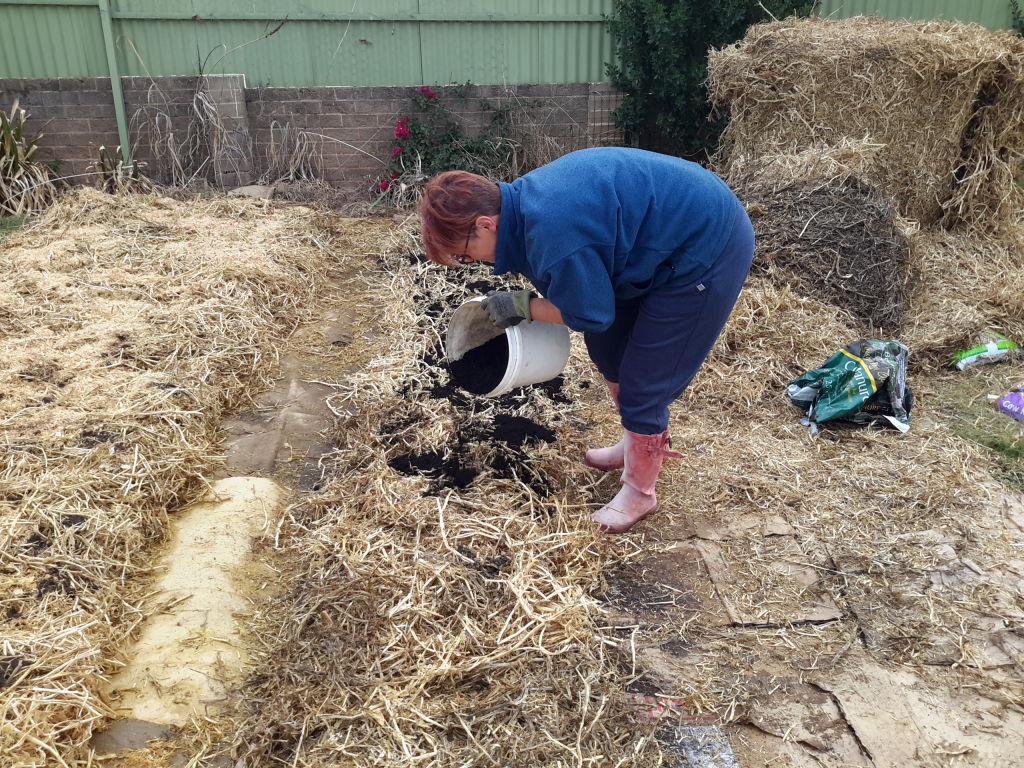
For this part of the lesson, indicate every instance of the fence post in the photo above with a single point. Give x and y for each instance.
(115, 80)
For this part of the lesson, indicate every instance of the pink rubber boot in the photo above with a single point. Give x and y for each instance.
(613, 456)
(644, 455)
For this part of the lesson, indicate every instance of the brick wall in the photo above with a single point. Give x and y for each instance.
(247, 134)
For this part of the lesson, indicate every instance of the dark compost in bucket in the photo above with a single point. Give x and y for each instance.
(482, 368)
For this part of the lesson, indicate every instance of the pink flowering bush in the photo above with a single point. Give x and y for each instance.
(402, 128)
(429, 140)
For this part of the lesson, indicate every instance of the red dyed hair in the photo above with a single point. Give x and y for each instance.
(449, 207)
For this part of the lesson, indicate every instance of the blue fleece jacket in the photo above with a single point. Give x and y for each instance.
(610, 224)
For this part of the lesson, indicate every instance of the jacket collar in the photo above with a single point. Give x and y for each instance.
(510, 250)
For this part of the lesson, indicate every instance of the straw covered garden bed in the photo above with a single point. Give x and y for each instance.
(941, 102)
(128, 326)
(446, 599)
(440, 603)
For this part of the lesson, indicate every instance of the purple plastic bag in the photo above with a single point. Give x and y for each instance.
(1012, 404)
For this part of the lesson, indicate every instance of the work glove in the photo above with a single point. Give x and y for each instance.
(508, 308)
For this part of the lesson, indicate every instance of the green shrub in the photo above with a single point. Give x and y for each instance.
(1017, 11)
(662, 47)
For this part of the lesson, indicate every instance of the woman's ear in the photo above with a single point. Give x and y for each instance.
(489, 223)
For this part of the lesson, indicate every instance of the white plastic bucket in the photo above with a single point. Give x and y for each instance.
(537, 351)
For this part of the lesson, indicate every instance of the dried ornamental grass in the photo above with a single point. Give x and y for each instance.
(943, 101)
(192, 147)
(129, 326)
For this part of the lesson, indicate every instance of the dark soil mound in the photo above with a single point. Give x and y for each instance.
(446, 471)
(507, 441)
(835, 241)
(487, 439)
(517, 431)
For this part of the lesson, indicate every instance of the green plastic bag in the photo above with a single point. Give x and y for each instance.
(865, 383)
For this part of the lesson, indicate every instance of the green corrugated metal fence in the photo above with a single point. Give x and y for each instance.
(994, 14)
(322, 42)
(353, 42)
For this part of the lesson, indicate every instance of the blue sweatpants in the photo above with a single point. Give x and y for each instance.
(658, 341)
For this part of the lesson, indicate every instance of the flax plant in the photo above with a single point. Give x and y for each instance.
(26, 185)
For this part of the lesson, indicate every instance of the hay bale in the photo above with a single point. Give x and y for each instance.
(943, 102)
(829, 236)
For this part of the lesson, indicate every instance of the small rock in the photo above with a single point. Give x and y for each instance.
(262, 191)
(128, 734)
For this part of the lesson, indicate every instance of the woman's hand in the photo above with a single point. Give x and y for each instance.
(508, 308)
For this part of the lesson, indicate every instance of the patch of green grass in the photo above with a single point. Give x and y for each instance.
(8, 224)
(962, 403)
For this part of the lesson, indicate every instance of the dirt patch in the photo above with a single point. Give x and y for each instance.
(501, 448)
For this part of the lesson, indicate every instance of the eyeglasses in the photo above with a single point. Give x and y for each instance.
(464, 258)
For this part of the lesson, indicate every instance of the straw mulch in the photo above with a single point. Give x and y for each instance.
(447, 601)
(943, 102)
(968, 285)
(905, 534)
(839, 131)
(128, 326)
(440, 606)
